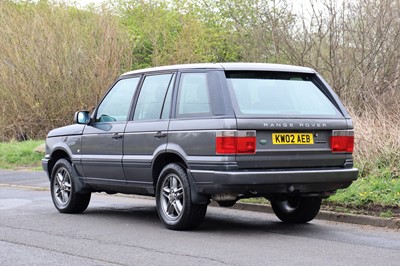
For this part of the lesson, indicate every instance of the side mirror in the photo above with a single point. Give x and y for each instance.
(82, 117)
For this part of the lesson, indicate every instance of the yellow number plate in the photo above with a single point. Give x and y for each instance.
(292, 138)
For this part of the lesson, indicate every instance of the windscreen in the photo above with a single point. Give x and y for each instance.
(279, 94)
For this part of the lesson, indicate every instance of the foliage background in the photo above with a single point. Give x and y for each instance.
(54, 59)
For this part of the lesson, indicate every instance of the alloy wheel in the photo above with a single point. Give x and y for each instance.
(172, 197)
(62, 186)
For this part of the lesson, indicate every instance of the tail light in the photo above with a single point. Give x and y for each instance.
(342, 141)
(235, 142)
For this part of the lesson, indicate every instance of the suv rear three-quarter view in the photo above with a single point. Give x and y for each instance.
(189, 134)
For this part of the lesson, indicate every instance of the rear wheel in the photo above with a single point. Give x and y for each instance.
(173, 200)
(63, 189)
(296, 209)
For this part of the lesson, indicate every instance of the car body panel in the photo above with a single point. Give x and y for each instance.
(142, 141)
(269, 155)
(262, 181)
(101, 154)
(74, 129)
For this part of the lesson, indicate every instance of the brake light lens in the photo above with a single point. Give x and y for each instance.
(236, 142)
(226, 145)
(342, 141)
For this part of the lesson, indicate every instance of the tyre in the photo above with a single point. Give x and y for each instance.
(296, 209)
(173, 200)
(63, 189)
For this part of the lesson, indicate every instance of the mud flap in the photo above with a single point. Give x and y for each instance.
(79, 181)
(196, 197)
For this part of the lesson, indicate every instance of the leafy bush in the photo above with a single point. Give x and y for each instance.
(55, 60)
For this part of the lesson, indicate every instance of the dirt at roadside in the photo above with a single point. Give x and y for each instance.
(370, 209)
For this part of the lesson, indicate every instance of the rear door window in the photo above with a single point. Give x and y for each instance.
(279, 94)
(152, 97)
(193, 97)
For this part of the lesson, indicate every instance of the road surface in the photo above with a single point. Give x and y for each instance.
(123, 230)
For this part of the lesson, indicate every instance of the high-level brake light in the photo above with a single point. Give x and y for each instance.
(236, 142)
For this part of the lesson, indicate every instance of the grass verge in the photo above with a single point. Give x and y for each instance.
(20, 155)
(375, 194)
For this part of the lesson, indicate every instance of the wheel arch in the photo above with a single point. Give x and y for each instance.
(55, 156)
(164, 159)
(169, 157)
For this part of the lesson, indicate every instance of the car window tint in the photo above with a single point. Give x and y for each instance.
(152, 97)
(193, 95)
(168, 100)
(115, 106)
(278, 94)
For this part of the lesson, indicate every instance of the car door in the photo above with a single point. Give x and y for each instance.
(102, 139)
(146, 134)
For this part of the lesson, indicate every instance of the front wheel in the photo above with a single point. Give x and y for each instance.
(63, 189)
(173, 200)
(296, 209)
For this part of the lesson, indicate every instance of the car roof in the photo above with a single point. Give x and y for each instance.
(228, 67)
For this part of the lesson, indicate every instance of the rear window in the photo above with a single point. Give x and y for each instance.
(279, 94)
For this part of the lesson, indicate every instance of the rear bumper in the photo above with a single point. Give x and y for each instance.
(273, 181)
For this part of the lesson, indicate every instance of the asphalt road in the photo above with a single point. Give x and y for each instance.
(123, 230)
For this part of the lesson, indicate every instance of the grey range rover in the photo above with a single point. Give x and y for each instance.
(189, 134)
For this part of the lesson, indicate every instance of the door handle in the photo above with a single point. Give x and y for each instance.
(117, 136)
(160, 135)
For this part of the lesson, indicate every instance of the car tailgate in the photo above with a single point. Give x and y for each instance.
(292, 143)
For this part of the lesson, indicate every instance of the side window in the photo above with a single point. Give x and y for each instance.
(168, 100)
(115, 106)
(193, 98)
(152, 96)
